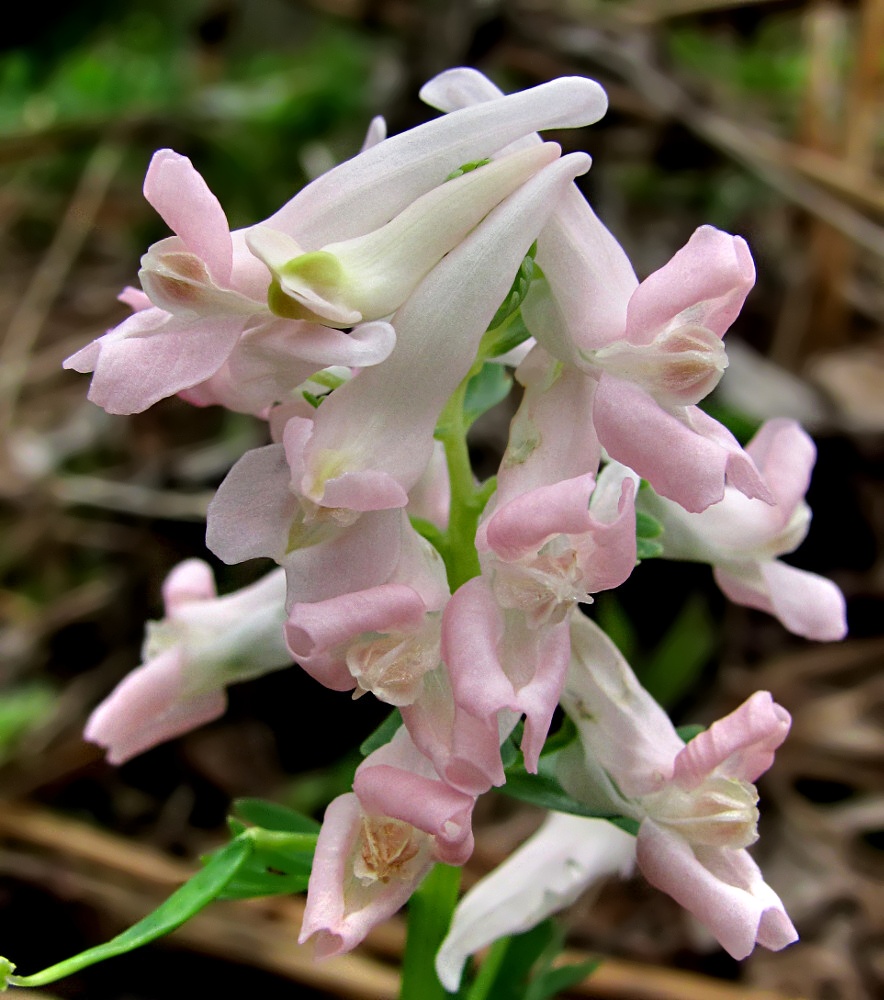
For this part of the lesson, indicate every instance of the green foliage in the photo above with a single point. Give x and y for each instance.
(20, 709)
(429, 916)
(676, 663)
(516, 295)
(504, 337)
(273, 816)
(490, 386)
(383, 734)
(544, 790)
(183, 904)
(262, 860)
(647, 531)
(520, 968)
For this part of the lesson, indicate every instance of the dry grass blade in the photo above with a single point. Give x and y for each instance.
(52, 271)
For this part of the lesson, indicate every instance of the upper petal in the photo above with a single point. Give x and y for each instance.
(705, 284)
(368, 190)
(181, 196)
(741, 745)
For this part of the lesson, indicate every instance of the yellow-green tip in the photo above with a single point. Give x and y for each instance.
(6, 970)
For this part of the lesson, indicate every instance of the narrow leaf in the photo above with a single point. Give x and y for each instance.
(383, 734)
(686, 648)
(552, 982)
(273, 816)
(429, 916)
(490, 386)
(183, 904)
(544, 790)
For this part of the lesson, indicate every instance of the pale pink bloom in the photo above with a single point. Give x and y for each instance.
(566, 856)
(696, 803)
(667, 356)
(398, 780)
(203, 644)
(655, 347)
(271, 362)
(548, 538)
(257, 512)
(370, 276)
(463, 747)
(430, 498)
(365, 868)
(207, 289)
(363, 456)
(741, 538)
(377, 845)
(383, 639)
(365, 192)
(557, 544)
(500, 667)
(204, 291)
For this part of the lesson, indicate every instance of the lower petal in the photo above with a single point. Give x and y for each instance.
(724, 891)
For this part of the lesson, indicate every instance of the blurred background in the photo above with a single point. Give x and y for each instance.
(762, 117)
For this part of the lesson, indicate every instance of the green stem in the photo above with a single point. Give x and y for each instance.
(183, 904)
(459, 547)
(429, 915)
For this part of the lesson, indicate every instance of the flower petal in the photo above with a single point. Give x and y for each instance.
(181, 196)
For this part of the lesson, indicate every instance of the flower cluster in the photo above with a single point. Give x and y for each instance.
(360, 321)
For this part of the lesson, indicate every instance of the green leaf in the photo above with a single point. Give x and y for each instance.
(563, 737)
(516, 295)
(504, 338)
(490, 386)
(689, 731)
(552, 982)
(504, 974)
(383, 734)
(647, 526)
(647, 549)
(429, 916)
(280, 864)
(647, 530)
(196, 893)
(273, 816)
(679, 658)
(543, 789)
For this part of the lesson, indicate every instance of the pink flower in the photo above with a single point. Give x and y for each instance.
(655, 348)
(365, 456)
(667, 356)
(383, 639)
(696, 803)
(365, 868)
(741, 538)
(376, 845)
(203, 644)
(208, 290)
